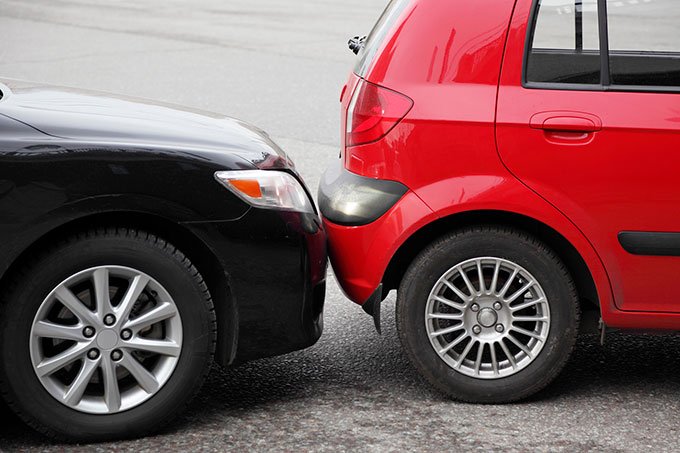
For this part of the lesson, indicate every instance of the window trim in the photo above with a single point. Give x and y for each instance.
(605, 75)
(578, 25)
(603, 31)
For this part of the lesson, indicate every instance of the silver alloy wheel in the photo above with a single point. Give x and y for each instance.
(106, 339)
(487, 317)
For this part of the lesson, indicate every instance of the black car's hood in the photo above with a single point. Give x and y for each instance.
(94, 117)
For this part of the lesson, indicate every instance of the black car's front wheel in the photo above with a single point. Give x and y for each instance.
(488, 314)
(107, 335)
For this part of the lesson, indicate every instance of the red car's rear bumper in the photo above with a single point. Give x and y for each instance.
(360, 254)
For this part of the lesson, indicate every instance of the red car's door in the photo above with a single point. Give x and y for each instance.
(599, 138)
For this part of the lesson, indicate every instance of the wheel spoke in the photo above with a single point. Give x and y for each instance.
(520, 292)
(480, 275)
(111, 390)
(445, 316)
(519, 345)
(455, 342)
(447, 330)
(506, 287)
(52, 364)
(75, 306)
(162, 347)
(467, 281)
(457, 292)
(145, 379)
(449, 302)
(480, 353)
(100, 278)
(131, 295)
(494, 361)
(74, 393)
(464, 354)
(527, 304)
(47, 329)
(527, 333)
(159, 313)
(510, 357)
(494, 280)
(530, 319)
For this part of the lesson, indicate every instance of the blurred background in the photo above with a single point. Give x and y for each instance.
(277, 64)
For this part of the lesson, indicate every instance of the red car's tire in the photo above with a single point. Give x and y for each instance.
(478, 343)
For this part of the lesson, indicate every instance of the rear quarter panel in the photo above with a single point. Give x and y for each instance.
(446, 56)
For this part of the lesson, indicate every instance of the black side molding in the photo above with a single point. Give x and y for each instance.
(650, 243)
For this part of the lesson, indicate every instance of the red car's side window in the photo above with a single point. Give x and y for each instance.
(564, 45)
(603, 44)
(644, 43)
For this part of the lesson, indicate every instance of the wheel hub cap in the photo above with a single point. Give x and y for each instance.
(487, 317)
(107, 340)
(79, 354)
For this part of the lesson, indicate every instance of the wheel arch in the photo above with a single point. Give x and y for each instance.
(576, 265)
(205, 260)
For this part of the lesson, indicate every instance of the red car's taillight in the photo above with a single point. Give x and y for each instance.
(373, 112)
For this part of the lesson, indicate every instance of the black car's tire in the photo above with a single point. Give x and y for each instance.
(191, 327)
(422, 339)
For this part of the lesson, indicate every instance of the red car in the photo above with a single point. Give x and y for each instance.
(506, 166)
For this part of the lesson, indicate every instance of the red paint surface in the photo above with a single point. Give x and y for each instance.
(586, 164)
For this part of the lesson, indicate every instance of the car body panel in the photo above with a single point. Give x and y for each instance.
(446, 62)
(378, 242)
(449, 59)
(375, 243)
(67, 156)
(113, 120)
(456, 67)
(276, 264)
(620, 178)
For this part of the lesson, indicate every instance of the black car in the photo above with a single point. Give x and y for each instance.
(138, 242)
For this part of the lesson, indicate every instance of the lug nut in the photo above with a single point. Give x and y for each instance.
(474, 307)
(116, 354)
(88, 332)
(126, 334)
(499, 328)
(476, 329)
(497, 306)
(92, 354)
(109, 320)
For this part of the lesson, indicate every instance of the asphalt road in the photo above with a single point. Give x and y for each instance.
(281, 64)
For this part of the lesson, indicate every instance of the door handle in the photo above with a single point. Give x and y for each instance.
(563, 121)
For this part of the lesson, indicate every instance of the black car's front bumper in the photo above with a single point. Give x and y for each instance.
(276, 265)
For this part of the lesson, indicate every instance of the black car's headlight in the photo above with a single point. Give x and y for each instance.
(267, 189)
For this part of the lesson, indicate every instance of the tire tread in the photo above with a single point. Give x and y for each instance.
(105, 232)
(436, 246)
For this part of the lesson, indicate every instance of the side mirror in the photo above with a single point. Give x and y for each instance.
(356, 44)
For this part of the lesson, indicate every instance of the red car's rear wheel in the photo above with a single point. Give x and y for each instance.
(488, 314)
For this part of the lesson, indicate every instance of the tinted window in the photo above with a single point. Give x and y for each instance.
(564, 46)
(377, 35)
(644, 42)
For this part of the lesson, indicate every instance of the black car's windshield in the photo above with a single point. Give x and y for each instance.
(378, 33)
